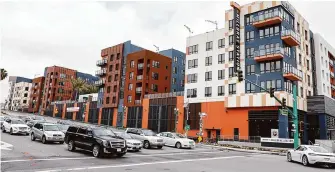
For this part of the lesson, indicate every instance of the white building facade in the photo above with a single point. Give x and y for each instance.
(21, 95)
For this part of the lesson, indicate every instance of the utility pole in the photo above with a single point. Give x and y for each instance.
(295, 117)
(213, 22)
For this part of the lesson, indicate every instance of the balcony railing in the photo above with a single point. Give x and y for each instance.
(290, 37)
(269, 54)
(100, 72)
(102, 62)
(100, 82)
(267, 19)
(164, 95)
(140, 66)
(139, 77)
(291, 73)
(137, 102)
(138, 90)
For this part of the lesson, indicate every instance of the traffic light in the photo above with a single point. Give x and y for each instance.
(272, 92)
(283, 103)
(240, 75)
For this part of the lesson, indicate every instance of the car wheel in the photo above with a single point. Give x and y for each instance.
(11, 131)
(120, 155)
(96, 151)
(146, 144)
(3, 129)
(305, 160)
(32, 137)
(289, 157)
(70, 146)
(178, 145)
(61, 143)
(44, 140)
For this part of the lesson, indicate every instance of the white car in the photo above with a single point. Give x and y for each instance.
(311, 154)
(132, 144)
(176, 140)
(15, 126)
(146, 136)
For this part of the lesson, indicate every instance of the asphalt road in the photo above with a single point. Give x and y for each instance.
(20, 154)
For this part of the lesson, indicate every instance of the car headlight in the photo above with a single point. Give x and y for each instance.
(15, 128)
(312, 154)
(105, 143)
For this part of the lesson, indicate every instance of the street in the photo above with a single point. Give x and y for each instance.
(19, 153)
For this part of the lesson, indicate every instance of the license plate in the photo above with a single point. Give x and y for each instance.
(118, 150)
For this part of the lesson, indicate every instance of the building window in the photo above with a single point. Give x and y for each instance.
(250, 36)
(278, 85)
(232, 89)
(192, 78)
(174, 80)
(107, 100)
(155, 64)
(209, 46)
(231, 56)
(108, 89)
(175, 71)
(154, 75)
(288, 86)
(231, 72)
(208, 91)
(117, 67)
(306, 35)
(110, 78)
(114, 99)
(154, 87)
(250, 88)
(132, 64)
(110, 68)
(250, 69)
(208, 61)
(129, 99)
(270, 67)
(112, 57)
(193, 63)
(130, 87)
(221, 59)
(298, 28)
(248, 20)
(231, 39)
(301, 92)
(220, 74)
(118, 56)
(231, 24)
(208, 76)
(131, 75)
(300, 59)
(221, 43)
(220, 90)
(262, 86)
(193, 49)
(306, 49)
(116, 77)
(175, 59)
(309, 80)
(323, 74)
(250, 52)
(191, 93)
(307, 64)
(115, 88)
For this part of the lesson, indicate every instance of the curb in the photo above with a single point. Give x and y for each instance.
(244, 150)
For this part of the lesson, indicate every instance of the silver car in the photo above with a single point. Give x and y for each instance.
(47, 132)
(132, 144)
(147, 137)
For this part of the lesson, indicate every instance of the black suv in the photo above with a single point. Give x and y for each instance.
(100, 141)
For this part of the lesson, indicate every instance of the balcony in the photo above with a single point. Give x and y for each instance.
(100, 82)
(269, 54)
(291, 73)
(139, 90)
(139, 77)
(137, 102)
(101, 72)
(267, 19)
(290, 37)
(140, 66)
(102, 62)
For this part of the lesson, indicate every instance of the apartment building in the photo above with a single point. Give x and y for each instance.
(21, 94)
(36, 93)
(266, 40)
(12, 80)
(178, 69)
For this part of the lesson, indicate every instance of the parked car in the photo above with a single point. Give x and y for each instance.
(63, 127)
(15, 126)
(311, 154)
(132, 144)
(2, 119)
(146, 136)
(27, 119)
(47, 132)
(100, 141)
(176, 140)
(38, 118)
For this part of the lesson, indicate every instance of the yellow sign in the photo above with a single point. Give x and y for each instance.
(199, 139)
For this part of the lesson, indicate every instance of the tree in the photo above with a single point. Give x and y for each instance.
(78, 86)
(4, 74)
(90, 88)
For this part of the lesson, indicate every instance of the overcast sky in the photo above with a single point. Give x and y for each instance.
(71, 34)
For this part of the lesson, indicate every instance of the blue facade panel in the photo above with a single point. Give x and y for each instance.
(22, 79)
(88, 77)
(178, 62)
(323, 126)
(283, 125)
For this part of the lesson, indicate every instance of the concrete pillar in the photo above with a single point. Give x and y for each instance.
(159, 118)
(283, 125)
(74, 115)
(99, 116)
(64, 111)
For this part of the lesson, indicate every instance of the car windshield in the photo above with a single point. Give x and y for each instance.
(124, 135)
(103, 132)
(51, 128)
(17, 122)
(149, 133)
(318, 149)
(63, 127)
(179, 135)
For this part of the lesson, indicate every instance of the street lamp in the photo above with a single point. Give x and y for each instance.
(176, 111)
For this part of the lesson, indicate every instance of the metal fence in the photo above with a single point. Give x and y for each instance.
(164, 95)
(237, 138)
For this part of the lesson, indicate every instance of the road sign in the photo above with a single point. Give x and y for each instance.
(187, 127)
(284, 112)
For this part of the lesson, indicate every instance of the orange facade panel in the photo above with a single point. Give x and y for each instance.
(291, 77)
(268, 22)
(290, 40)
(270, 57)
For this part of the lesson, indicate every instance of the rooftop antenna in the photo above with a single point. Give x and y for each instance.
(213, 22)
(189, 29)
(157, 48)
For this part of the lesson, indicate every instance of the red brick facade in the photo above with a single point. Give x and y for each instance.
(36, 94)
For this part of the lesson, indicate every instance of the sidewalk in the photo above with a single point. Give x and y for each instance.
(263, 150)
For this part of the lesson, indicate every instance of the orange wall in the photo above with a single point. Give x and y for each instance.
(64, 111)
(180, 107)
(125, 117)
(87, 111)
(99, 117)
(74, 115)
(114, 116)
(145, 114)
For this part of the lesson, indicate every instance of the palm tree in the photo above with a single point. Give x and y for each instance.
(78, 86)
(90, 88)
(4, 74)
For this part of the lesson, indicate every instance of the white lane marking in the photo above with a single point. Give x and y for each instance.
(5, 146)
(145, 163)
(80, 158)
